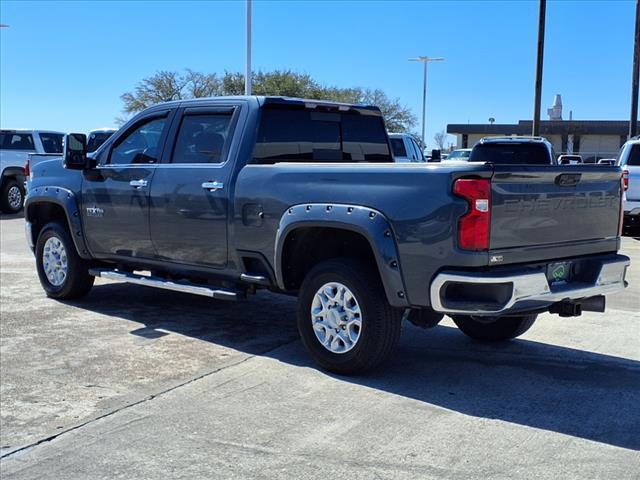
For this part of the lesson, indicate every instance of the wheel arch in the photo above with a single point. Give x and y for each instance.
(45, 204)
(333, 227)
(13, 172)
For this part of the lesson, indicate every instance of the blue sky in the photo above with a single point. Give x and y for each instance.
(63, 65)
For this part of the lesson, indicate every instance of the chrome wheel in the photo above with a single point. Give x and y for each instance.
(54, 261)
(336, 317)
(14, 197)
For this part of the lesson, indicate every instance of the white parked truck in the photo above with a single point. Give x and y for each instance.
(405, 148)
(629, 160)
(15, 148)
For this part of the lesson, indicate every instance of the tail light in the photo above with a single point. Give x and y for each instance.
(473, 227)
(624, 185)
(27, 169)
(625, 180)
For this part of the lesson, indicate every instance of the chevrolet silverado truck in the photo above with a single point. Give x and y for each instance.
(221, 197)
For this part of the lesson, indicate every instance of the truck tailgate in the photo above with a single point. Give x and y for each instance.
(550, 205)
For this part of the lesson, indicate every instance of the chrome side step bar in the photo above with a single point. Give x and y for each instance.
(165, 284)
(256, 279)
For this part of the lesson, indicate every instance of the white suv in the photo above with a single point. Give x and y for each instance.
(15, 148)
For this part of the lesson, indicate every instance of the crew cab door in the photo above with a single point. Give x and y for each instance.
(115, 195)
(190, 190)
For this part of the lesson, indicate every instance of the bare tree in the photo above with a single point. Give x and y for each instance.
(441, 139)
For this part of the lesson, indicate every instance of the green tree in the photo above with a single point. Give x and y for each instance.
(165, 86)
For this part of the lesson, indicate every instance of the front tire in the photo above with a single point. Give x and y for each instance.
(494, 329)
(63, 274)
(344, 319)
(11, 196)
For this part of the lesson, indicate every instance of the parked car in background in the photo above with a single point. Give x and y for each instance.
(513, 151)
(15, 148)
(97, 137)
(570, 159)
(629, 160)
(405, 148)
(459, 155)
(303, 198)
(607, 161)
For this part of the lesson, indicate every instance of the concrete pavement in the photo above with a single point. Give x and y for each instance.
(136, 383)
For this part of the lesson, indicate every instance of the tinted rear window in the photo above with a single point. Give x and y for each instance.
(51, 142)
(16, 141)
(511, 153)
(634, 155)
(398, 147)
(297, 135)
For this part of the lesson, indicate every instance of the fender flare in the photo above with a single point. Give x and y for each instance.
(368, 222)
(67, 200)
(17, 172)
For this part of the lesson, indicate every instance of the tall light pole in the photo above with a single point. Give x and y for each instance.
(247, 70)
(535, 125)
(425, 61)
(635, 77)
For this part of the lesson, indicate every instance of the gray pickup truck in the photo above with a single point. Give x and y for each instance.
(220, 197)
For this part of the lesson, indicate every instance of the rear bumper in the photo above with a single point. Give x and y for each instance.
(482, 293)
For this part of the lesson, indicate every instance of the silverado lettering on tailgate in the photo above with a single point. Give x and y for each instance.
(539, 205)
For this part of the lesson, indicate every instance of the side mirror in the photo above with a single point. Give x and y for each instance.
(75, 151)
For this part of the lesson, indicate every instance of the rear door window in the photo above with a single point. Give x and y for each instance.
(299, 135)
(202, 138)
(16, 141)
(51, 142)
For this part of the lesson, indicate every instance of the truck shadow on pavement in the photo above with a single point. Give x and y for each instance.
(569, 391)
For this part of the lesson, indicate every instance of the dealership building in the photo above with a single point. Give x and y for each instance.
(593, 139)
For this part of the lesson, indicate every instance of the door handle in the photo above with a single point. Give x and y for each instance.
(138, 183)
(213, 186)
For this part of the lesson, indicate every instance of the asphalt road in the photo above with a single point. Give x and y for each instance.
(133, 382)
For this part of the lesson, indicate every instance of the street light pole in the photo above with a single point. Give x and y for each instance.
(635, 77)
(247, 70)
(425, 60)
(540, 60)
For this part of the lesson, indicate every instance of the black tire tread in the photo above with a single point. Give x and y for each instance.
(7, 183)
(78, 282)
(383, 327)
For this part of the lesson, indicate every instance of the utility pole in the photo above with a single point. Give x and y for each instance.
(247, 70)
(425, 60)
(538, 88)
(635, 77)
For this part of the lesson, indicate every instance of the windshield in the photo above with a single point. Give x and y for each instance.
(459, 155)
(96, 139)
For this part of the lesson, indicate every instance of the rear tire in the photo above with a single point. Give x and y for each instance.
(63, 274)
(347, 296)
(11, 196)
(494, 329)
